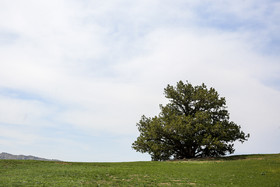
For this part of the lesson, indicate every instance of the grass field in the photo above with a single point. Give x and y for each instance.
(247, 170)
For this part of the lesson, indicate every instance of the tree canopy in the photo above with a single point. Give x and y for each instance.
(195, 123)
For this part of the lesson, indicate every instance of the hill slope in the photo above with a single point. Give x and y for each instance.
(8, 156)
(244, 170)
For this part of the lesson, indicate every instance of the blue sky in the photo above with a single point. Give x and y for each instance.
(76, 76)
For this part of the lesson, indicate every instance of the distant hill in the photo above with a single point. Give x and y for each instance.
(8, 156)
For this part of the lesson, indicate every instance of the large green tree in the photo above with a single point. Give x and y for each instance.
(195, 123)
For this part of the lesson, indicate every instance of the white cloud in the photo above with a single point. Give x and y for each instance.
(96, 66)
(24, 112)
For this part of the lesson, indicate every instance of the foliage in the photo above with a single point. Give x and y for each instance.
(194, 124)
(253, 170)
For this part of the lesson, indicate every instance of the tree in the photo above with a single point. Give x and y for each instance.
(195, 123)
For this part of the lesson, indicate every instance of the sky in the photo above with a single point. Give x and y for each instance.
(77, 75)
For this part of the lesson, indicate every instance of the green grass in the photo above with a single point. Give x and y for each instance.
(247, 170)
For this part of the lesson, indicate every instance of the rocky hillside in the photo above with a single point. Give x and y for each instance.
(8, 156)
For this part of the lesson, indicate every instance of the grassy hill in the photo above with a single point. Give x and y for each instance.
(246, 170)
